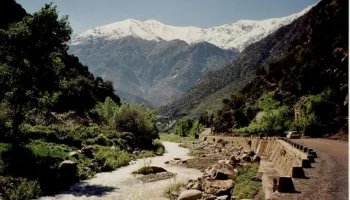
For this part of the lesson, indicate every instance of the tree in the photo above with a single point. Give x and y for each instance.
(30, 62)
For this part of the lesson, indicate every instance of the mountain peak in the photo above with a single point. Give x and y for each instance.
(152, 21)
(237, 35)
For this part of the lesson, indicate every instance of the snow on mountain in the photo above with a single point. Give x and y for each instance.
(237, 35)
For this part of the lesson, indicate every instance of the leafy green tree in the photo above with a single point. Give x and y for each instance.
(136, 119)
(183, 127)
(318, 112)
(31, 59)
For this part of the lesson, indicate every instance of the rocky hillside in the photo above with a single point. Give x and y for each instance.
(10, 11)
(309, 53)
(156, 71)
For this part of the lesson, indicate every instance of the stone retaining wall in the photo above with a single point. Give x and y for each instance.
(282, 159)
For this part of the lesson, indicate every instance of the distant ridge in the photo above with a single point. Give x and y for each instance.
(237, 35)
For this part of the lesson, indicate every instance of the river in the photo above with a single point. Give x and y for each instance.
(122, 185)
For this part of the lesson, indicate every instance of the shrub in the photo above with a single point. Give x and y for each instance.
(43, 149)
(159, 147)
(144, 169)
(20, 189)
(136, 119)
(99, 140)
(111, 158)
(244, 187)
(318, 113)
(172, 188)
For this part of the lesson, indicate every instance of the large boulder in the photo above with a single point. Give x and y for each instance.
(256, 158)
(245, 157)
(67, 164)
(218, 187)
(74, 154)
(234, 159)
(222, 173)
(68, 172)
(156, 169)
(88, 151)
(190, 195)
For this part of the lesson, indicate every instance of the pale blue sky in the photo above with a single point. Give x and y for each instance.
(85, 14)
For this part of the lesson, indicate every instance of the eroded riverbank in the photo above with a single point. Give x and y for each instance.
(122, 185)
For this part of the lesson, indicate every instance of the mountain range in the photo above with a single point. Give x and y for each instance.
(150, 62)
(303, 58)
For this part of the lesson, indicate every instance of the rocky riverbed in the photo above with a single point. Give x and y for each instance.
(123, 185)
(221, 164)
(206, 172)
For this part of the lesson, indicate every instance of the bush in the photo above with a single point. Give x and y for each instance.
(144, 169)
(317, 113)
(159, 147)
(111, 158)
(244, 187)
(42, 149)
(20, 189)
(99, 140)
(174, 138)
(76, 136)
(187, 127)
(136, 119)
(172, 188)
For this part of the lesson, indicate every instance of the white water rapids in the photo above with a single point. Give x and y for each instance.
(122, 185)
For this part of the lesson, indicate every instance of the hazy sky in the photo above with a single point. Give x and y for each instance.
(85, 14)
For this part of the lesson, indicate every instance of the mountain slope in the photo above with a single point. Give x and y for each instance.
(10, 11)
(134, 99)
(155, 71)
(307, 84)
(222, 83)
(237, 35)
(80, 91)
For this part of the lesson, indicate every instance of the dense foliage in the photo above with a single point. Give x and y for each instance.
(188, 127)
(304, 58)
(48, 104)
(301, 68)
(135, 119)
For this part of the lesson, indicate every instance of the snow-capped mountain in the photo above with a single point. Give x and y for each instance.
(237, 35)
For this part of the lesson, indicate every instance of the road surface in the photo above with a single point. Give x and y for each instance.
(328, 177)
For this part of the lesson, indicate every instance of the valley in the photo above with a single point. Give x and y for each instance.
(140, 109)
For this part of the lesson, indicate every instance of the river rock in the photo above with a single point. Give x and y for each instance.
(190, 195)
(218, 187)
(68, 172)
(245, 157)
(74, 154)
(234, 159)
(256, 158)
(251, 153)
(67, 164)
(156, 169)
(88, 151)
(224, 197)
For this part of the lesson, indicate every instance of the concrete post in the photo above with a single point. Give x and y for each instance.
(305, 163)
(285, 184)
(314, 154)
(311, 158)
(310, 150)
(298, 172)
(305, 149)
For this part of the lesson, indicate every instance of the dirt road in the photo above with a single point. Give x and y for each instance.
(328, 177)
